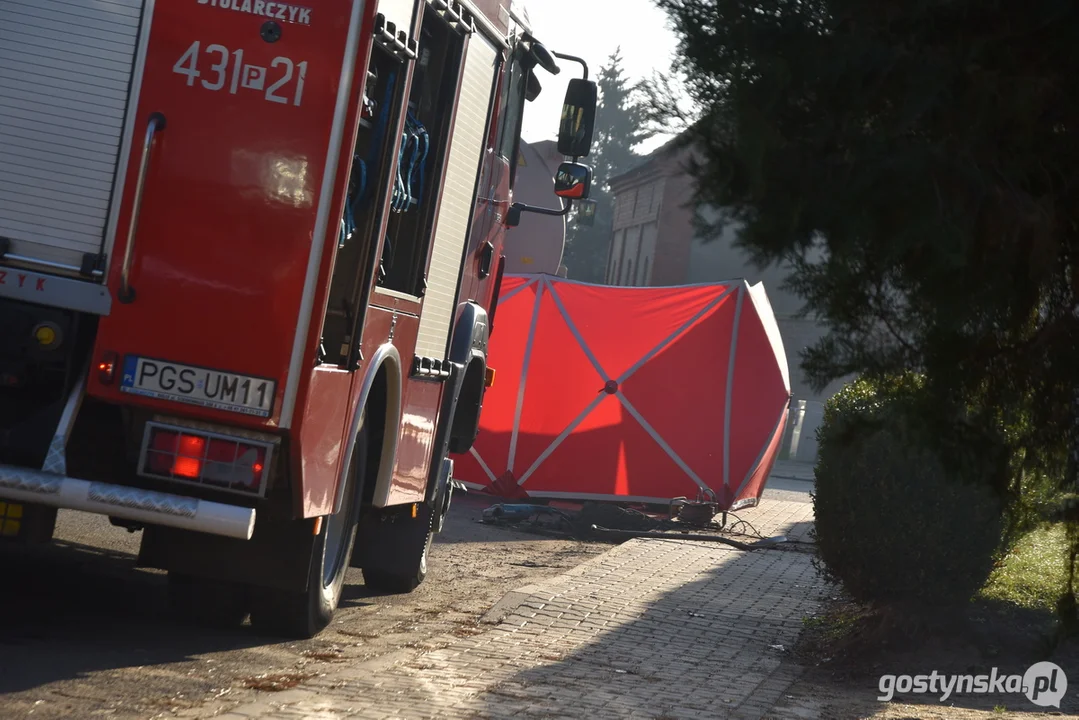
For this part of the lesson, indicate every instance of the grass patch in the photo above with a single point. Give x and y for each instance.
(827, 635)
(1010, 621)
(1034, 573)
(838, 622)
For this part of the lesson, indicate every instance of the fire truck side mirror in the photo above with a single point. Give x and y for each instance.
(533, 88)
(542, 57)
(578, 118)
(513, 216)
(573, 181)
(586, 213)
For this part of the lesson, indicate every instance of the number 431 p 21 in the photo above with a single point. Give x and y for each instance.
(228, 68)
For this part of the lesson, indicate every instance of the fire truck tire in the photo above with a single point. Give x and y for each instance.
(404, 570)
(384, 581)
(303, 615)
(447, 495)
(206, 602)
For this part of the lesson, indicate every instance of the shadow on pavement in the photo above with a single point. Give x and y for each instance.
(718, 646)
(76, 615)
(70, 610)
(692, 631)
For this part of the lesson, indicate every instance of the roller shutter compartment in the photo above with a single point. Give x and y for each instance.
(65, 80)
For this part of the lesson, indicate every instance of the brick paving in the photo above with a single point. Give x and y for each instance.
(651, 629)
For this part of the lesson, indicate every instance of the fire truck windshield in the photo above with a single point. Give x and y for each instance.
(514, 91)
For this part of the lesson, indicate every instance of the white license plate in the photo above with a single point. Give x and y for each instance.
(198, 386)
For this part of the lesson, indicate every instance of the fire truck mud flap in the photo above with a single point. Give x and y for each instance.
(118, 501)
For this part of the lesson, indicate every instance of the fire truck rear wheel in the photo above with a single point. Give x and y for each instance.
(206, 602)
(444, 510)
(408, 572)
(305, 614)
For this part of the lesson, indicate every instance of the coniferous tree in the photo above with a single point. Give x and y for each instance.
(928, 154)
(918, 165)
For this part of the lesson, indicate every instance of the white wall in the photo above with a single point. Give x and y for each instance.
(537, 244)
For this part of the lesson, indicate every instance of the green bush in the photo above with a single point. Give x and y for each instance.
(896, 521)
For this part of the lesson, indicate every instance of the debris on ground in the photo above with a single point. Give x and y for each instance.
(276, 682)
(618, 522)
(541, 519)
(684, 535)
(517, 512)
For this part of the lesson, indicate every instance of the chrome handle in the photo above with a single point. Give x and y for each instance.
(156, 124)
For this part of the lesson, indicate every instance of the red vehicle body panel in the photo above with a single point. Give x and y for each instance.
(421, 401)
(230, 200)
(321, 436)
(228, 217)
(326, 398)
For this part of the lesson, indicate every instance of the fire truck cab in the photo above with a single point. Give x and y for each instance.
(250, 254)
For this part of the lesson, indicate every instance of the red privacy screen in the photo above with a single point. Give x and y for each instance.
(631, 394)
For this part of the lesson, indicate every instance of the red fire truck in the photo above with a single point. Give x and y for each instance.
(249, 258)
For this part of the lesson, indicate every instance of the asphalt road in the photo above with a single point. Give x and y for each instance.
(86, 634)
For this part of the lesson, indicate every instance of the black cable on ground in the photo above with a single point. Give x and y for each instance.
(631, 534)
(610, 522)
(753, 532)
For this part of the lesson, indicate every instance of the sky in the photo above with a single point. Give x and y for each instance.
(591, 30)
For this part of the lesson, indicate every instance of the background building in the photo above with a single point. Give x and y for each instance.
(654, 243)
(538, 243)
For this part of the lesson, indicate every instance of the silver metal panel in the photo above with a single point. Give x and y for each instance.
(54, 291)
(146, 506)
(487, 25)
(65, 75)
(56, 459)
(458, 197)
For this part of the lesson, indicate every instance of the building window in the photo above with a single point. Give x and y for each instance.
(644, 273)
(629, 273)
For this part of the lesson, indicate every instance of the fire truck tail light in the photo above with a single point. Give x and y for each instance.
(188, 462)
(106, 368)
(206, 459)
